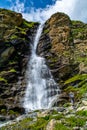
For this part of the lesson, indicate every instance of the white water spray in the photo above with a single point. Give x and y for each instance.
(41, 87)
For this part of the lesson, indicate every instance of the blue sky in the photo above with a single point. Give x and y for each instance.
(4, 4)
(28, 3)
(41, 10)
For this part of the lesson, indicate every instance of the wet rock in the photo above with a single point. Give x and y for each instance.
(16, 37)
(2, 118)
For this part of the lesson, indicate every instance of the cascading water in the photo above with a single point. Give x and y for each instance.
(41, 87)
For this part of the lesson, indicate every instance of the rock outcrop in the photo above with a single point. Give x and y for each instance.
(56, 45)
(16, 37)
(63, 43)
(51, 119)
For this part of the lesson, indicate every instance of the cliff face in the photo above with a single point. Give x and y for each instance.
(64, 45)
(16, 37)
(56, 45)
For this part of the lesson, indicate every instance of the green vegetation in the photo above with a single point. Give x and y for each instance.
(28, 24)
(22, 30)
(77, 84)
(57, 116)
(21, 125)
(40, 123)
(66, 105)
(13, 37)
(79, 30)
(46, 31)
(80, 59)
(75, 121)
(53, 59)
(3, 80)
(28, 124)
(69, 122)
(11, 112)
(12, 70)
(6, 72)
(60, 126)
(3, 111)
(12, 62)
(77, 22)
(76, 78)
(82, 113)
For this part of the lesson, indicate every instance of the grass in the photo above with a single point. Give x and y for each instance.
(60, 126)
(57, 116)
(82, 113)
(40, 123)
(3, 111)
(12, 70)
(76, 78)
(79, 92)
(79, 29)
(28, 24)
(21, 125)
(46, 31)
(22, 30)
(77, 84)
(75, 121)
(12, 62)
(14, 37)
(3, 80)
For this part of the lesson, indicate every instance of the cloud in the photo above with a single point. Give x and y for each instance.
(17, 6)
(80, 10)
(74, 8)
(43, 14)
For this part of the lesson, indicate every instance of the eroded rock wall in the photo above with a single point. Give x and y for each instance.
(56, 45)
(16, 37)
(63, 43)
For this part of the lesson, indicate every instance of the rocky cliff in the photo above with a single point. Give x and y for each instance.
(56, 45)
(16, 37)
(63, 43)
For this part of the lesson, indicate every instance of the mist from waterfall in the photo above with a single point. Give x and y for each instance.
(41, 88)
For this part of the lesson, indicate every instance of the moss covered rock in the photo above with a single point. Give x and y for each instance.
(16, 35)
(56, 45)
(53, 121)
(64, 45)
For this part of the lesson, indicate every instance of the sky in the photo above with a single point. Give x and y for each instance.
(41, 10)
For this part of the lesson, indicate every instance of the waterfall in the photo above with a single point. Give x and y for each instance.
(41, 87)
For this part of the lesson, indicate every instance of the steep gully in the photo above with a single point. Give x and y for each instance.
(41, 89)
